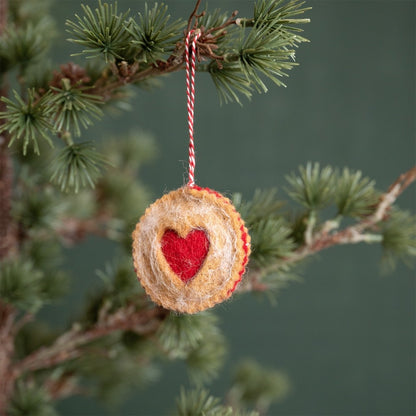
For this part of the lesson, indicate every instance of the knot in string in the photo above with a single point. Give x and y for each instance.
(190, 59)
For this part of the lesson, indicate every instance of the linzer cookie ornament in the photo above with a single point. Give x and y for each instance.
(191, 247)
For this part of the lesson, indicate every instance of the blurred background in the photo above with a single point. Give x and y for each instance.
(345, 333)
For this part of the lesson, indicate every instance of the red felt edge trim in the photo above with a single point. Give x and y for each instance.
(244, 235)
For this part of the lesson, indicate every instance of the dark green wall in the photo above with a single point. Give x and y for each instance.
(346, 334)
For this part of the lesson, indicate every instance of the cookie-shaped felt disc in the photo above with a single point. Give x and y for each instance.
(190, 249)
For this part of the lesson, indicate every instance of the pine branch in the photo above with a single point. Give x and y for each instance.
(154, 36)
(398, 238)
(21, 285)
(313, 188)
(23, 46)
(27, 120)
(103, 32)
(256, 386)
(69, 345)
(235, 68)
(30, 399)
(73, 107)
(73, 230)
(355, 195)
(325, 237)
(62, 386)
(199, 402)
(77, 166)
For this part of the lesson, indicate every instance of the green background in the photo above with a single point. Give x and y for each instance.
(345, 335)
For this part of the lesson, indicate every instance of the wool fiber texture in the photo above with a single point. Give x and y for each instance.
(183, 211)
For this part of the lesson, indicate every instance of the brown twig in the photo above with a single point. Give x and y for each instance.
(63, 386)
(324, 238)
(74, 230)
(355, 233)
(193, 16)
(70, 345)
(230, 21)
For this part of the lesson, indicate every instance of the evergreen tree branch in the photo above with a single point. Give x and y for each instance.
(62, 387)
(267, 50)
(130, 73)
(69, 345)
(356, 233)
(30, 399)
(326, 237)
(72, 230)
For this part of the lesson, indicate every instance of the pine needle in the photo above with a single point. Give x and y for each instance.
(154, 34)
(27, 120)
(313, 187)
(77, 166)
(102, 31)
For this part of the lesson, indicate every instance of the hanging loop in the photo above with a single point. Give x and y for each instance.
(190, 60)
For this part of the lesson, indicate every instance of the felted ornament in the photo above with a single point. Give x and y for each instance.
(191, 247)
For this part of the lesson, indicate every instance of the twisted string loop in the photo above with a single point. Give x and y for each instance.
(190, 59)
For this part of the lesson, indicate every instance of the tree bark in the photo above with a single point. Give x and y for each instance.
(7, 245)
(7, 229)
(7, 375)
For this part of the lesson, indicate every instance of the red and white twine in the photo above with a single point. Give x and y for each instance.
(190, 59)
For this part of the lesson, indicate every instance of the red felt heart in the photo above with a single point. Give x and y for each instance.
(185, 255)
